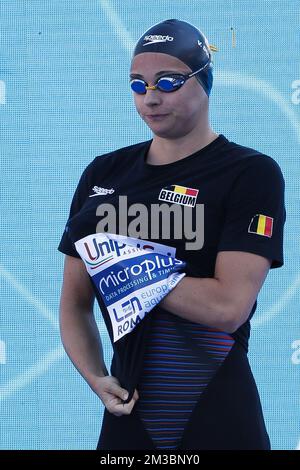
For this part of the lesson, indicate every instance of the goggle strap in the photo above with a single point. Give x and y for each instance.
(202, 68)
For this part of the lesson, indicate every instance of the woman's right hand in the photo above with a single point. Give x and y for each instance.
(112, 395)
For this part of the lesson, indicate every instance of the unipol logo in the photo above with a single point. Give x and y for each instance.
(2, 92)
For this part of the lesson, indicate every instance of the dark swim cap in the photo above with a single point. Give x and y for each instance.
(182, 40)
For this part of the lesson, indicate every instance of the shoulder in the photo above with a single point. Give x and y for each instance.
(253, 163)
(121, 155)
(112, 162)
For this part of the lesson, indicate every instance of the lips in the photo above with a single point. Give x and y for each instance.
(155, 117)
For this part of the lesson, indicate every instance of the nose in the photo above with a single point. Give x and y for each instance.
(152, 96)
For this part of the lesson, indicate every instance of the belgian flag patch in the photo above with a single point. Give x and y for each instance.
(261, 225)
(179, 195)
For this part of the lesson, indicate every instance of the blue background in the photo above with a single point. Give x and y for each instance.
(64, 98)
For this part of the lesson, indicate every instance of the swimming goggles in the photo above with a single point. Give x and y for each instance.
(167, 84)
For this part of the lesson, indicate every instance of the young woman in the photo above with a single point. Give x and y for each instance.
(181, 378)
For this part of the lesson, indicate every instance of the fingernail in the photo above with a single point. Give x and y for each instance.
(125, 396)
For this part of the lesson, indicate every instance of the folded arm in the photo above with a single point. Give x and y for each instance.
(226, 300)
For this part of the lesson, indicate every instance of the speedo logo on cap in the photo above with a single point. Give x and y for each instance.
(154, 38)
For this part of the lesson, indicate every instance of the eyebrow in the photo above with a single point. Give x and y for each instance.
(162, 72)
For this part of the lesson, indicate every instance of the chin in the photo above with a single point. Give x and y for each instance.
(165, 132)
(168, 133)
